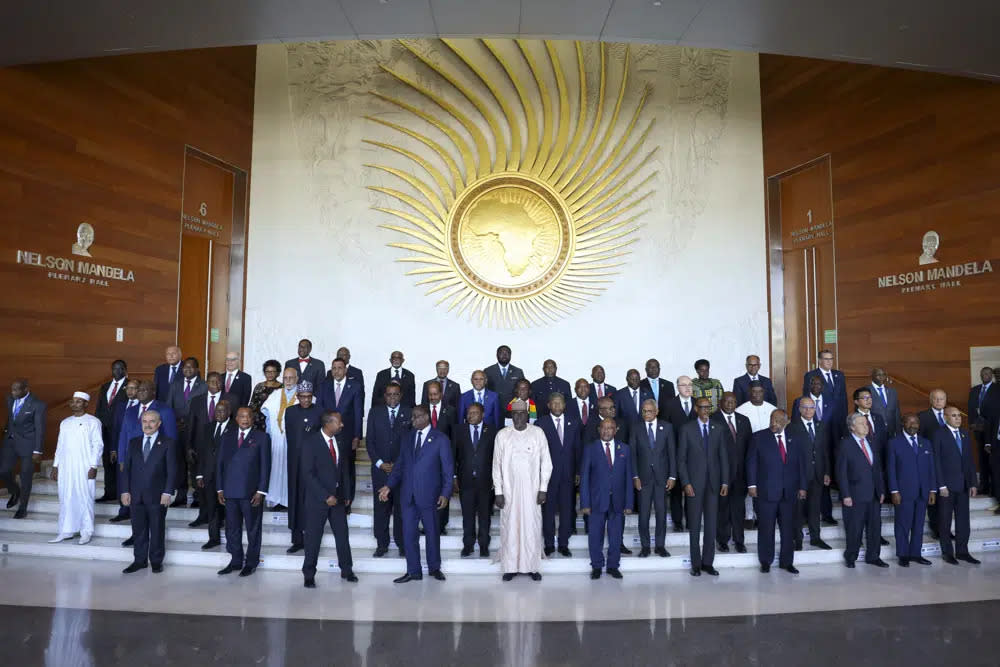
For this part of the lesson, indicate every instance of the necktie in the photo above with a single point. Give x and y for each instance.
(336, 393)
(607, 453)
(146, 447)
(812, 433)
(17, 405)
(652, 436)
(559, 429)
(142, 411)
(600, 390)
(704, 435)
(114, 390)
(229, 382)
(396, 374)
(635, 399)
(416, 447)
(434, 416)
(503, 372)
(940, 419)
(732, 428)
(958, 440)
(864, 448)
(819, 410)
(982, 392)
(211, 406)
(584, 411)
(479, 397)
(240, 443)
(187, 390)
(781, 448)
(333, 451)
(687, 407)
(444, 384)
(913, 439)
(654, 385)
(173, 371)
(218, 429)
(392, 418)
(829, 378)
(871, 429)
(881, 393)
(475, 436)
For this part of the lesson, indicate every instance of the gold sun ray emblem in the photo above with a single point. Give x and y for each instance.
(523, 233)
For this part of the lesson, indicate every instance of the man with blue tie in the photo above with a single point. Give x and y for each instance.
(473, 445)
(741, 385)
(776, 476)
(242, 477)
(147, 485)
(562, 433)
(492, 413)
(931, 420)
(628, 399)
(654, 455)
(859, 473)
(424, 476)
(606, 495)
(956, 478)
(834, 383)
(661, 390)
(166, 374)
(387, 423)
(703, 469)
(23, 439)
(340, 394)
(815, 438)
(885, 401)
(984, 406)
(502, 378)
(913, 486)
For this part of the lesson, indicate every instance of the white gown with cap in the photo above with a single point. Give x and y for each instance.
(78, 450)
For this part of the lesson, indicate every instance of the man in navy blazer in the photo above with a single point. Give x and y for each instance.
(327, 482)
(628, 399)
(345, 396)
(310, 369)
(654, 463)
(984, 407)
(242, 476)
(878, 432)
(23, 438)
(354, 374)
(183, 393)
(492, 414)
(885, 401)
(862, 490)
(424, 477)
(776, 477)
(387, 424)
(741, 385)
(815, 438)
(598, 387)
(132, 428)
(401, 376)
(833, 381)
(473, 444)
(956, 479)
(661, 390)
(584, 405)
(109, 397)
(166, 374)
(562, 432)
(913, 485)
(237, 384)
(450, 390)
(606, 495)
(147, 485)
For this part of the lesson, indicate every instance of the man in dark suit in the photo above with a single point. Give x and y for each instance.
(502, 377)
(147, 484)
(885, 402)
(834, 382)
(702, 468)
(598, 387)
(823, 402)
(741, 385)
(546, 385)
(242, 476)
(562, 433)
(732, 507)
(473, 445)
(354, 374)
(956, 479)
(302, 420)
(110, 395)
(913, 485)
(182, 394)
(862, 490)
(606, 495)
(492, 412)
(166, 374)
(23, 439)
(202, 414)
(208, 442)
(680, 411)
(424, 475)
(992, 437)
(776, 476)
(606, 410)
(661, 390)
(984, 406)
(584, 405)
(628, 399)
(326, 483)
(237, 384)
(654, 463)
(131, 392)
(401, 376)
(878, 434)
(340, 394)
(931, 420)
(310, 369)
(443, 418)
(387, 423)
(815, 440)
(450, 390)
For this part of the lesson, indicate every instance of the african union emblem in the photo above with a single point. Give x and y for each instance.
(523, 230)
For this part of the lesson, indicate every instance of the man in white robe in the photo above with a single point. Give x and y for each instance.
(78, 456)
(521, 471)
(274, 413)
(757, 410)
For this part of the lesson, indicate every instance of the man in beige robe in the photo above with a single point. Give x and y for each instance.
(521, 471)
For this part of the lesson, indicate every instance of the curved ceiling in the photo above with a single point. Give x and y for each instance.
(953, 37)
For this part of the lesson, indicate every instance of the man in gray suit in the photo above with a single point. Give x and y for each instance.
(502, 377)
(653, 462)
(23, 437)
(885, 402)
(701, 460)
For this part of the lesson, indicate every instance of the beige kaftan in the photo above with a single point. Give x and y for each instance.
(521, 468)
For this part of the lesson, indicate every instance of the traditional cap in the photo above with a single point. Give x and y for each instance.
(517, 404)
(304, 387)
(81, 394)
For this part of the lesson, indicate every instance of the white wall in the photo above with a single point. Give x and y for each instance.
(319, 266)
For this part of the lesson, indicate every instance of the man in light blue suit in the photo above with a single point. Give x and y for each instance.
(423, 474)
(913, 485)
(606, 495)
(492, 414)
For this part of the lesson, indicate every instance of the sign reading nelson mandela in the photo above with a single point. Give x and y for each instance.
(78, 271)
(933, 277)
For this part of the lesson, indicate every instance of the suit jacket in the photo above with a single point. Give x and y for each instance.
(858, 480)
(132, 427)
(492, 414)
(741, 387)
(653, 463)
(912, 473)
(147, 480)
(625, 406)
(830, 414)
(880, 436)
(315, 370)
(776, 480)
(604, 488)
(117, 419)
(199, 415)
(815, 451)
(161, 381)
(989, 409)
(424, 476)
(239, 391)
(182, 406)
(243, 471)
(321, 477)
(543, 387)
(474, 465)
(888, 410)
(666, 393)
(675, 415)
(590, 432)
(955, 469)
(382, 441)
(838, 392)
(705, 470)
(452, 390)
(407, 384)
(106, 411)
(929, 423)
(208, 447)
(356, 375)
(609, 390)
(26, 432)
(504, 387)
(565, 455)
(736, 449)
(447, 418)
(573, 408)
(350, 407)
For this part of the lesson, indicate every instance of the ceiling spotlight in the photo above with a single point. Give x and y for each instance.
(657, 3)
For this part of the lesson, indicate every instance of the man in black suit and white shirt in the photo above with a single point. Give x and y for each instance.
(182, 394)
(473, 445)
(680, 410)
(732, 507)
(815, 437)
(310, 369)
(111, 394)
(451, 391)
(23, 438)
(401, 376)
(237, 384)
(502, 377)
(931, 420)
(599, 388)
(354, 374)
(741, 385)
(984, 407)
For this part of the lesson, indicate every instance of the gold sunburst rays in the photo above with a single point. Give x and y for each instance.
(528, 221)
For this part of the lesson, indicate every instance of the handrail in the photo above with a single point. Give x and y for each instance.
(895, 379)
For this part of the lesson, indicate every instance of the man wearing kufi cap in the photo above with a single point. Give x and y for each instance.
(78, 456)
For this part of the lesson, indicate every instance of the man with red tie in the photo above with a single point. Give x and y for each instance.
(111, 395)
(237, 384)
(598, 388)
(862, 490)
(443, 417)
(310, 370)
(583, 403)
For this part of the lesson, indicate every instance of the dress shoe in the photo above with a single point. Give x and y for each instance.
(877, 563)
(661, 552)
(402, 553)
(180, 502)
(820, 543)
(349, 576)
(118, 519)
(229, 569)
(565, 552)
(467, 551)
(615, 573)
(158, 568)
(437, 574)
(678, 529)
(14, 497)
(247, 571)
(722, 548)
(936, 536)
(134, 567)
(279, 508)
(196, 523)
(595, 573)
(951, 560)
(59, 538)
(904, 561)
(295, 548)
(829, 521)
(549, 551)
(106, 499)
(484, 553)
(194, 504)
(741, 548)
(21, 514)
(849, 564)
(921, 560)
(84, 539)
(625, 550)
(765, 568)
(509, 576)
(407, 577)
(380, 552)
(798, 546)
(791, 569)
(644, 552)
(708, 569)
(130, 542)
(535, 576)
(695, 572)
(310, 582)
(968, 559)
(883, 542)
(443, 532)
(211, 544)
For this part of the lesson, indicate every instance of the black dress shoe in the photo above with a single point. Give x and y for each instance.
(406, 577)
(904, 561)
(247, 571)
(118, 519)
(229, 569)
(444, 531)
(722, 547)
(790, 568)
(535, 576)
(349, 576)
(196, 523)
(402, 553)
(695, 572)
(106, 499)
(484, 553)
(644, 552)
(877, 563)
(660, 551)
(968, 559)
(211, 544)
(798, 546)
(951, 560)
(829, 521)
(134, 567)
(595, 573)
(708, 569)
(565, 552)
(467, 551)
(820, 543)
(625, 550)
(678, 529)
(295, 548)
(883, 542)
(741, 548)
(180, 502)
(936, 536)
(130, 542)
(380, 552)
(310, 582)
(765, 568)
(437, 574)
(158, 568)
(21, 514)
(849, 564)
(615, 572)
(921, 560)
(276, 508)
(509, 576)
(14, 497)
(549, 551)
(194, 504)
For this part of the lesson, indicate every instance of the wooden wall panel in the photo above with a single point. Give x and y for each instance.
(103, 141)
(910, 152)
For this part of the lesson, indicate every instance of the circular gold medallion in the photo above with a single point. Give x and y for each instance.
(510, 235)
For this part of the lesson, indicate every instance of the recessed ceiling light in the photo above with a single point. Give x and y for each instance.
(657, 3)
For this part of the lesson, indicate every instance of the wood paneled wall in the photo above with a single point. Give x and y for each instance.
(910, 152)
(103, 141)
